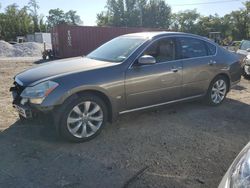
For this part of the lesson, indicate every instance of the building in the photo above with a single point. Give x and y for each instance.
(39, 37)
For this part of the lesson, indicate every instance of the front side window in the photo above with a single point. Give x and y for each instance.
(162, 50)
(116, 50)
(190, 48)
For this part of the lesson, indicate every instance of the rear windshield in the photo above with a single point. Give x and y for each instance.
(116, 50)
(245, 45)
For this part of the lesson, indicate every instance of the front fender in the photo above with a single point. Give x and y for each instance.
(58, 97)
(108, 81)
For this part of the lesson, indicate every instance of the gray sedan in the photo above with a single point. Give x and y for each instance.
(238, 174)
(129, 73)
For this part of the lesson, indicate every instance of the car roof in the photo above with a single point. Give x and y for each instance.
(156, 34)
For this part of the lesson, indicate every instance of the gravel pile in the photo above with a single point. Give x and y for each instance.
(27, 49)
(6, 49)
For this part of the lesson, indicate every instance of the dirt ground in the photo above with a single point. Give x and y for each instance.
(183, 145)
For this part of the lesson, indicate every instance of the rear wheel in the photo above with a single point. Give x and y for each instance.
(82, 118)
(217, 91)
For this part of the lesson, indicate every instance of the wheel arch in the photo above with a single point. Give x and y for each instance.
(103, 96)
(225, 75)
(95, 92)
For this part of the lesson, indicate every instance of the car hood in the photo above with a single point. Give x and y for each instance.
(58, 68)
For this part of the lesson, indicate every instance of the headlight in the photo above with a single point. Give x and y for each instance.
(240, 175)
(37, 93)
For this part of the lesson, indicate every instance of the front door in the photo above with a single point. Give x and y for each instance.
(157, 83)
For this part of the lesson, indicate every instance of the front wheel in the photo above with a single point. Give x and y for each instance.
(82, 118)
(217, 91)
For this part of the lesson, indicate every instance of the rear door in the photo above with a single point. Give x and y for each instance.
(157, 83)
(198, 58)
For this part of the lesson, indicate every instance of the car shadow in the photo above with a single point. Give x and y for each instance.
(41, 61)
(173, 140)
(32, 130)
(239, 88)
(236, 111)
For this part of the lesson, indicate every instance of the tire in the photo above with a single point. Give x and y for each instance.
(246, 73)
(81, 118)
(217, 91)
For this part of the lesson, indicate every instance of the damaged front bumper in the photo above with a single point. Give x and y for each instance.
(24, 111)
(23, 106)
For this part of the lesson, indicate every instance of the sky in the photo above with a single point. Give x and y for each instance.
(87, 9)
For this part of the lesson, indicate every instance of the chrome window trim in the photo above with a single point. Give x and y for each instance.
(160, 104)
(174, 36)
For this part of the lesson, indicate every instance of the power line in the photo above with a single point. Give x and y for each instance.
(204, 3)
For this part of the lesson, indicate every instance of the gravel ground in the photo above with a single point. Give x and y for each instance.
(183, 145)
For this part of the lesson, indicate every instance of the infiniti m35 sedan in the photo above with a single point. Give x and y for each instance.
(131, 72)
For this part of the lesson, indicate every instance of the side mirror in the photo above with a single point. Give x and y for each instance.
(248, 50)
(146, 60)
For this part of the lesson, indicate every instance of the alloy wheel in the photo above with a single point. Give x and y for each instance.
(219, 91)
(85, 119)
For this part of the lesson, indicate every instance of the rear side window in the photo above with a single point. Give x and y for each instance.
(211, 48)
(190, 48)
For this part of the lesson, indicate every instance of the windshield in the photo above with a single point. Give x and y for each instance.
(116, 50)
(245, 45)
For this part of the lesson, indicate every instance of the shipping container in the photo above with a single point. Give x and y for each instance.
(71, 41)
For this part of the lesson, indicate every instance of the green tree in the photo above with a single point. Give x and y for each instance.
(33, 7)
(134, 13)
(10, 23)
(103, 19)
(72, 18)
(186, 21)
(212, 23)
(25, 22)
(114, 15)
(15, 22)
(157, 14)
(239, 22)
(2, 22)
(56, 16)
(42, 24)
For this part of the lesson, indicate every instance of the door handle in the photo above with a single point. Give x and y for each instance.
(211, 62)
